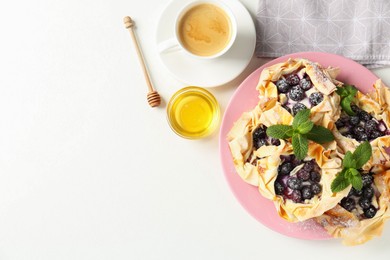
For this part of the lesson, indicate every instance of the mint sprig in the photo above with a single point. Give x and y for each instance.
(347, 94)
(320, 134)
(352, 162)
(301, 131)
(300, 145)
(280, 132)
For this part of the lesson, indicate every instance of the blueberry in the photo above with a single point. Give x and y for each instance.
(279, 188)
(316, 98)
(355, 108)
(296, 93)
(355, 192)
(305, 84)
(367, 180)
(375, 134)
(287, 192)
(370, 212)
(364, 203)
(296, 196)
(286, 158)
(294, 183)
(292, 79)
(259, 143)
(286, 168)
(259, 132)
(371, 125)
(259, 135)
(362, 137)
(303, 174)
(295, 160)
(344, 119)
(357, 130)
(283, 86)
(275, 141)
(298, 107)
(339, 123)
(368, 192)
(309, 166)
(283, 179)
(354, 120)
(316, 188)
(364, 116)
(348, 203)
(315, 176)
(307, 193)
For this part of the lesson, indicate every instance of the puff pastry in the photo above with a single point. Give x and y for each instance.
(372, 124)
(355, 226)
(326, 163)
(240, 138)
(259, 165)
(311, 80)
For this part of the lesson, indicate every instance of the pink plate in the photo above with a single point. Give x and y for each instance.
(244, 99)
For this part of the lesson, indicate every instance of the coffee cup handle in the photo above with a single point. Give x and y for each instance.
(170, 45)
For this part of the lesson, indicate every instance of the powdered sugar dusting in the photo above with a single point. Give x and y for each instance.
(345, 222)
(310, 225)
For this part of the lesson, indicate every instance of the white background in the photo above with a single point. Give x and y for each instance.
(89, 171)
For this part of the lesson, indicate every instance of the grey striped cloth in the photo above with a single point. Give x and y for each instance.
(359, 30)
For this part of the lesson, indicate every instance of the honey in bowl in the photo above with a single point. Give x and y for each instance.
(193, 113)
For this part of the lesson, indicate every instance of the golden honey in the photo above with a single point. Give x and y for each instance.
(193, 113)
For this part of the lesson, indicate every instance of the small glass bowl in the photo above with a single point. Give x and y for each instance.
(193, 113)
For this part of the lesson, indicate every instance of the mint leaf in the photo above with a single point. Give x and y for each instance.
(347, 90)
(354, 172)
(339, 183)
(347, 94)
(300, 146)
(347, 174)
(280, 131)
(352, 162)
(305, 127)
(320, 134)
(300, 118)
(357, 182)
(351, 90)
(346, 105)
(350, 173)
(342, 92)
(349, 161)
(362, 154)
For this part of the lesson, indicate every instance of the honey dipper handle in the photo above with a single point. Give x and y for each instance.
(129, 24)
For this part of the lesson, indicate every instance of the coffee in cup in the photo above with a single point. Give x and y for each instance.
(204, 29)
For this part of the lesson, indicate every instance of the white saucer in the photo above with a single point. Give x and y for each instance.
(208, 73)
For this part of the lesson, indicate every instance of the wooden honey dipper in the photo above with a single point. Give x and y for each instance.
(153, 97)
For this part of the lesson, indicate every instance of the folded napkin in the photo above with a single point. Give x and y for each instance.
(359, 30)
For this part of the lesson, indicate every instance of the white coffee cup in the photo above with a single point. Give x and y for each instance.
(176, 43)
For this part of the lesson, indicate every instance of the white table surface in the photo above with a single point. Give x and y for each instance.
(89, 171)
